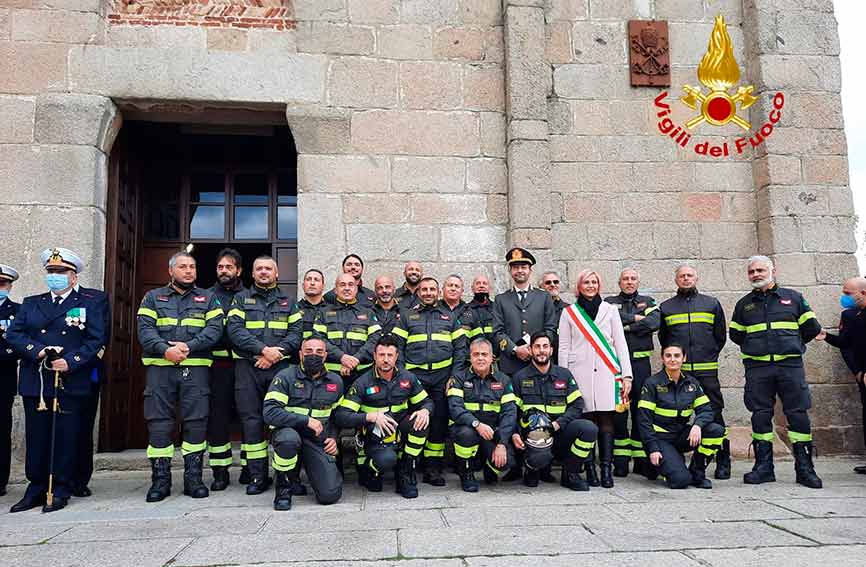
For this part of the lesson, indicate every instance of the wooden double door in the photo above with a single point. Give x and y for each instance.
(168, 189)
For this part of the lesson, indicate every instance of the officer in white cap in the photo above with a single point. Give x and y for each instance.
(57, 333)
(8, 372)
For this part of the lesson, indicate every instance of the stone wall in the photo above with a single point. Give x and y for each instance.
(448, 130)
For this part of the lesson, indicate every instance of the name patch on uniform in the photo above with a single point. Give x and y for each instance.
(199, 299)
(559, 385)
(661, 388)
(785, 301)
(527, 383)
(749, 307)
(162, 298)
(362, 317)
(372, 390)
(641, 305)
(414, 317)
(331, 387)
(249, 301)
(331, 313)
(495, 386)
(404, 384)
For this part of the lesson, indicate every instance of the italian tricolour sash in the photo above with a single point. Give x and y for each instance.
(599, 343)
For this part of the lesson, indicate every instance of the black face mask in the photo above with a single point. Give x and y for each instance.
(313, 364)
(480, 297)
(182, 285)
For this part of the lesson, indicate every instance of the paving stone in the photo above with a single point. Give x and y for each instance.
(15, 535)
(528, 515)
(838, 556)
(353, 521)
(660, 559)
(826, 507)
(672, 512)
(247, 522)
(145, 554)
(829, 530)
(464, 541)
(384, 563)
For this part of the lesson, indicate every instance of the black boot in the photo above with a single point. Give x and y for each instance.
(589, 469)
(723, 461)
(698, 470)
(259, 479)
(467, 475)
(245, 476)
(282, 492)
(571, 476)
(221, 479)
(605, 455)
(160, 477)
(192, 472)
(373, 480)
(433, 471)
(530, 477)
(515, 472)
(763, 471)
(804, 467)
(408, 482)
(490, 476)
(621, 462)
(545, 475)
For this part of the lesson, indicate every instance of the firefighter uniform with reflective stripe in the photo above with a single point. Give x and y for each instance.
(309, 313)
(665, 414)
(222, 388)
(491, 401)
(399, 397)
(639, 337)
(697, 323)
(556, 394)
(772, 330)
(194, 317)
(8, 387)
(387, 317)
(350, 329)
(259, 318)
(293, 398)
(366, 296)
(433, 346)
(482, 313)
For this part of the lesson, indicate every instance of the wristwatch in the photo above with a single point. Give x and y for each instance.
(475, 424)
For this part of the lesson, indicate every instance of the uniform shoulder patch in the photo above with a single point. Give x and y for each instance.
(405, 384)
(785, 301)
(331, 387)
(559, 384)
(496, 386)
(200, 298)
(162, 298)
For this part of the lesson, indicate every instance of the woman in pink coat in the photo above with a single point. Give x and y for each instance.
(593, 363)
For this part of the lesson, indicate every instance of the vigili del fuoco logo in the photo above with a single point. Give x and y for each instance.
(719, 72)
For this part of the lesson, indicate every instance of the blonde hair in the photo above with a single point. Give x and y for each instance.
(582, 276)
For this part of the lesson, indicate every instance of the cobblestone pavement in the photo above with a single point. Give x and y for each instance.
(637, 523)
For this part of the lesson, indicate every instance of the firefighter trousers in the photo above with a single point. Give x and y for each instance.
(167, 388)
(468, 443)
(763, 384)
(627, 443)
(672, 446)
(251, 385)
(382, 458)
(293, 449)
(435, 383)
(222, 409)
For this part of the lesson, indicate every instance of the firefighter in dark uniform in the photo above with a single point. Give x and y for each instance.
(264, 326)
(351, 329)
(452, 297)
(8, 372)
(483, 410)
(432, 346)
(406, 295)
(772, 325)
(482, 308)
(552, 390)
(178, 327)
(298, 407)
(386, 308)
(392, 411)
(311, 304)
(354, 266)
(668, 401)
(697, 323)
(640, 318)
(61, 331)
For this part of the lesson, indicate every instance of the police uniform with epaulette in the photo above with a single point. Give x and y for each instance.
(433, 346)
(292, 399)
(8, 373)
(222, 395)
(639, 337)
(665, 414)
(473, 400)
(772, 328)
(192, 316)
(259, 318)
(73, 324)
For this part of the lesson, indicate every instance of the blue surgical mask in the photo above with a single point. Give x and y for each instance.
(847, 302)
(4, 293)
(57, 282)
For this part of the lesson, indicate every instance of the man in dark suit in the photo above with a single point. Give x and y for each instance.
(8, 372)
(521, 312)
(61, 331)
(851, 340)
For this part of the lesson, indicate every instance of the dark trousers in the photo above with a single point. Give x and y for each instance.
(862, 389)
(672, 446)
(468, 443)
(37, 436)
(709, 380)
(293, 449)
(222, 409)
(251, 385)
(382, 458)
(627, 442)
(575, 440)
(6, 402)
(84, 457)
(167, 388)
(763, 384)
(435, 383)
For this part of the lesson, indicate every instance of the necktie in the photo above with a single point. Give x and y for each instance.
(521, 295)
(57, 300)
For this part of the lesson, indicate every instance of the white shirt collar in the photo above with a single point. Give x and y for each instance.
(528, 288)
(63, 296)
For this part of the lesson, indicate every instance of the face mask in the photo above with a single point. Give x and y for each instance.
(481, 297)
(57, 282)
(4, 293)
(847, 302)
(313, 364)
(182, 285)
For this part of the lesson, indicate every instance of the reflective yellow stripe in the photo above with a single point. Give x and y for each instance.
(737, 327)
(805, 317)
(278, 396)
(166, 321)
(756, 328)
(491, 407)
(799, 437)
(356, 336)
(646, 404)
(160, 452)
(277, 325)
(465, 452)
(650, 310)
(642, 354)
(415, 439)
(350, 405)
(418, 398)
(686, 412)
(373, 328)
(659, 429)
(455, 392)
(415, 339)
(666, 412)
(510, 397)
(213, 313)
(219, 448)
(221, 353)
(696, 317)
(785, 325)
(237, 313)
(441, 364)
(701, 400)
(335, 334)
(147, 361)
(403, 333)
(573, 396)
(472, 406)
(700, 366)
(147, 312)
(298, 410)
(192, 322)
(320, 412)
(474, 332)
(187, 448)
(294, 317)
(446, 338)
(555, 410)
(769, 357)
(255, 324)
(334, 366)
(763, 436)
(319, 328)
(376, 409)
(284, 465)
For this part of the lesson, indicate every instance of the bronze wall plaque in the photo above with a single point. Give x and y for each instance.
(649, 54)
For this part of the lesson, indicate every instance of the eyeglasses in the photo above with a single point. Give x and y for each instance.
(551, 282)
